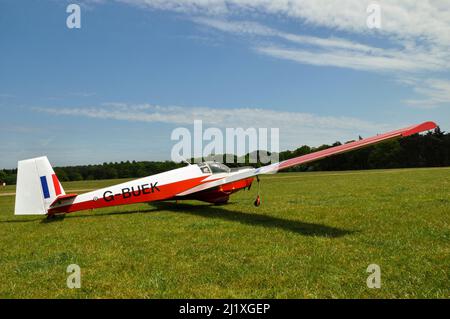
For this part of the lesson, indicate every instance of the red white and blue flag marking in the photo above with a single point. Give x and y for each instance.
(45, 188)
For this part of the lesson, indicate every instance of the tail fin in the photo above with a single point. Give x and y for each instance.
(37, 186)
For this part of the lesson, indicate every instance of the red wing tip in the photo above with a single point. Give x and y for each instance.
(425, 126)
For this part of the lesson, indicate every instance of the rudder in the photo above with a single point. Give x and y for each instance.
(37, 186)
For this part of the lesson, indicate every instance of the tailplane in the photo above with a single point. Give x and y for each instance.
(37, 187)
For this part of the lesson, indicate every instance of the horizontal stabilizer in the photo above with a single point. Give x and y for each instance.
(63, 199)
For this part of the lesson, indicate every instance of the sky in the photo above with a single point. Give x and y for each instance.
(115, 89)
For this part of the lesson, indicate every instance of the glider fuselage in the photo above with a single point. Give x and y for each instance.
(158, 187)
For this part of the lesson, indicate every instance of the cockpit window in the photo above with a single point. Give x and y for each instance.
(218, 168)
(213, 167)
(204, 168)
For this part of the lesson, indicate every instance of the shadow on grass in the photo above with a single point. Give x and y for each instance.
(42, 220)
(217, 212)
(53, 219)
(254, 219)
(91, 214)
(20, 220)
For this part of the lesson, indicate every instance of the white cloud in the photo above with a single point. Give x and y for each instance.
(6, 95)
(343, 59)
(407, 63)
(413, 42)
(82, 94)
(434, 92)
(403, 19)
(295, 128)
(333, 51)
(255, 28)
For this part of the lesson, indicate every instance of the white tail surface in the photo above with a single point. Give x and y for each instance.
(37, 186)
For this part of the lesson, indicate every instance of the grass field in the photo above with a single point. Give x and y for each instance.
(313, 236)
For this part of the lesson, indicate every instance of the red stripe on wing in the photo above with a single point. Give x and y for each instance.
(357, 144)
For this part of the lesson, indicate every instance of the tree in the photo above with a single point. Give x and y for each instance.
(431, 149)
(3, 176)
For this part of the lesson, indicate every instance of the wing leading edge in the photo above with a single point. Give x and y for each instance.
(273, 168)
(411, 130)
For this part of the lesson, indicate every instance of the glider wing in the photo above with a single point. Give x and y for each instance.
(347, 147)
(273, 168)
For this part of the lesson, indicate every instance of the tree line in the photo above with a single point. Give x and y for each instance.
(428, 150)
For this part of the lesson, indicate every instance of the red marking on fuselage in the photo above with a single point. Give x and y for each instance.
(237, 185)
(165, 192)
(219, 194)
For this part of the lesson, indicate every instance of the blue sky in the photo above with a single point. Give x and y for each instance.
(116, 88)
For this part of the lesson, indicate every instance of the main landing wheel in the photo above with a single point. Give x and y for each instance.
(257, 201)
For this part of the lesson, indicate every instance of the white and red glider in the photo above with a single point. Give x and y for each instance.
(39, 192)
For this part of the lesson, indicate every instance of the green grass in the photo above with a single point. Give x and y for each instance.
(313, 236)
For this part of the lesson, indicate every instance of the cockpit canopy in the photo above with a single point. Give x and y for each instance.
(218, 167)
(213, 168)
